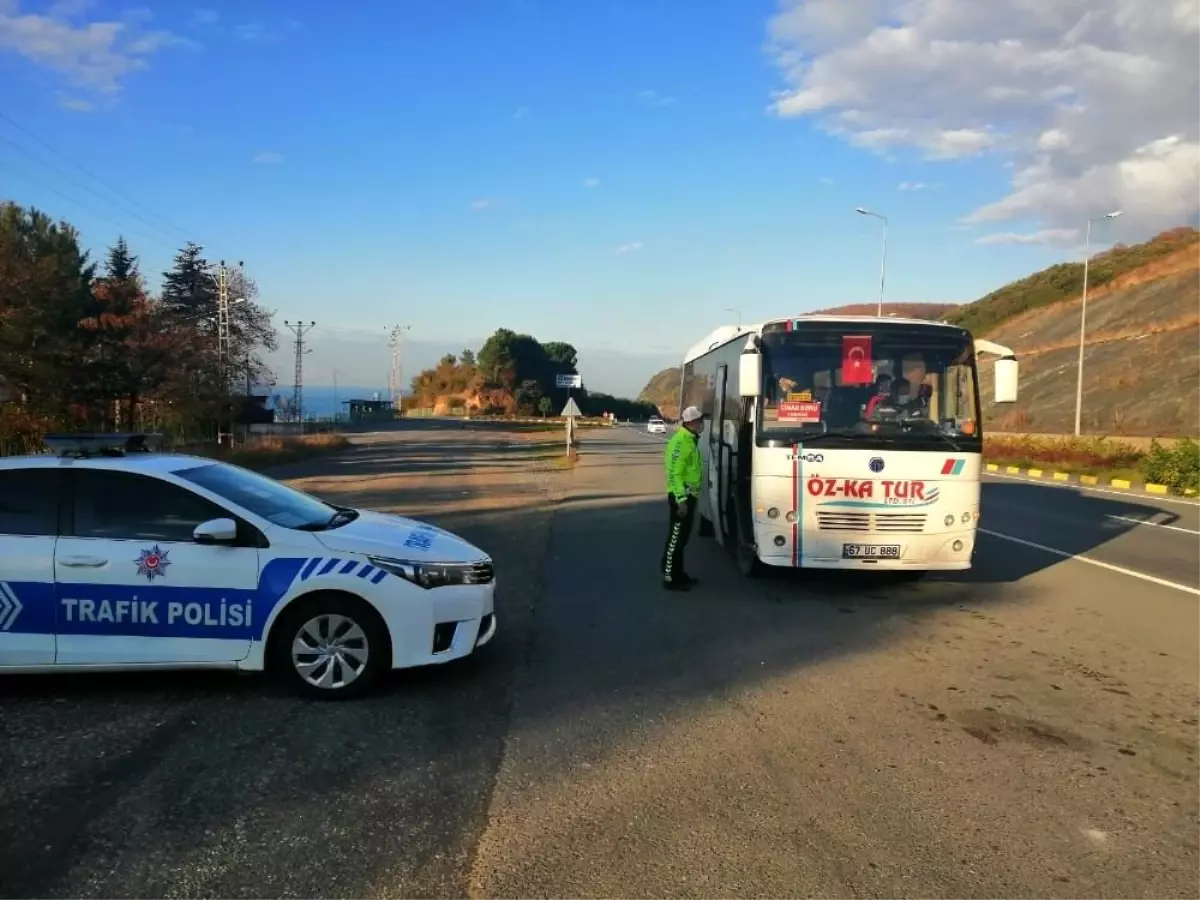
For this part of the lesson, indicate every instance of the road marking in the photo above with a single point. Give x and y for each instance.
(1133, 573)
(1093, 490)
(1154, 524)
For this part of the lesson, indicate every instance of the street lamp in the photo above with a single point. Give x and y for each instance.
(863, 211)
(1087, 243)
(738, 313)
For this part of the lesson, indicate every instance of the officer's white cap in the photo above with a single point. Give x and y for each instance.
(691, 414)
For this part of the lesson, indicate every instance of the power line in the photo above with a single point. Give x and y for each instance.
(122, 226)
(86, 187)
(178, 232)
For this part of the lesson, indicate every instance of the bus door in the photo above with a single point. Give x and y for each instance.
(718, 455)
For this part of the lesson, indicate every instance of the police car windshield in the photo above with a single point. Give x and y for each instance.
(266, 498)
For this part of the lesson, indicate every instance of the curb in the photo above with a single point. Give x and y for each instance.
(1121, 484)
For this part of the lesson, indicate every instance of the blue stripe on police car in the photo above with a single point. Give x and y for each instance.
(10, 607)
(158, 610)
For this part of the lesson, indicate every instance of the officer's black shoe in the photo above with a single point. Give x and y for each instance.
(677, 585)
(689, 580)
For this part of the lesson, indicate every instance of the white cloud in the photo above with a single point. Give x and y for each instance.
(75, 104)
(654, 98)
(268, 157)
(591, 182)
(1091, 103)
(826, 180)
(96, 55)
(632, 247)
(202, 17)
(521, 112)
(481, 205)
(1046, 236)
(911, 186)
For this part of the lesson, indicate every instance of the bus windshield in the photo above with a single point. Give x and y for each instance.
(906, 383)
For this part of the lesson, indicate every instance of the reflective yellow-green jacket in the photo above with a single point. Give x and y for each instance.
(682, 464)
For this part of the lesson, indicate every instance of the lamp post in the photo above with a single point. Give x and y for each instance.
(1087, 245)
(863, 211)
(738, 313)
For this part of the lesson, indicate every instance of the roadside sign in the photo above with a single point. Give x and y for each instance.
(571, 409)
(568, 381)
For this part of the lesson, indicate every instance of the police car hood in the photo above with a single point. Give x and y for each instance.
(383, 534)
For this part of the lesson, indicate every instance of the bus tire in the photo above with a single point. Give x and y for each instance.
(704, 527)
(744, 555)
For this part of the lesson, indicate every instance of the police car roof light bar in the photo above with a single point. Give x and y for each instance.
(83, 445)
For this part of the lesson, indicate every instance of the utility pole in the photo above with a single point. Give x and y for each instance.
(1087, 252)
(299, 329)
(863, 211)
(224, 341)
(336, 408)
(396, 373)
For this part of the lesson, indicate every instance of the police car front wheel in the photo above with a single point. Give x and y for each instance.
(330, 647)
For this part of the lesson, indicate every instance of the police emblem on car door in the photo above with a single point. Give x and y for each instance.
(133, 584)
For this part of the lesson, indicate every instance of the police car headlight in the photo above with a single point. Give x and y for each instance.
(434, 574)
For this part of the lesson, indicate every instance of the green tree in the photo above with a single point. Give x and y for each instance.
(528, 396)
(561, 353)
(45, 292)
(496, 360)
(189, 305)
(467, 357)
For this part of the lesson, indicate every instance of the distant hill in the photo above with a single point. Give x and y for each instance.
(663, 391)
(933, 311)
(1065, 281)
(1141, 373)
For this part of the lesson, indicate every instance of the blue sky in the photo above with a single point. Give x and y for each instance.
(615, 174)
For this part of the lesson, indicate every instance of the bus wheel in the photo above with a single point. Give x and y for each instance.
(744, 554)
(705, 527)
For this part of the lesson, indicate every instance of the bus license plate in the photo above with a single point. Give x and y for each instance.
(870, 551)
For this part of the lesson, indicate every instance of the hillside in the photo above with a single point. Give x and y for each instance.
(1142, 366)
(1065, 281)
(933, 311)
(663, 391)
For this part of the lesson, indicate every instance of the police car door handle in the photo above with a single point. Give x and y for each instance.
(83, 562)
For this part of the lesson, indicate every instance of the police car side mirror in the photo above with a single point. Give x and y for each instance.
(215, 531)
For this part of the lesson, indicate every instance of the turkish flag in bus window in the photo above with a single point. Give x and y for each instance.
(856, 359)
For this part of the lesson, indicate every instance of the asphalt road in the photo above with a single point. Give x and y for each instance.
(1027, 728)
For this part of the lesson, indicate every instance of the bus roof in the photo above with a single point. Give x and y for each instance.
(726, 333)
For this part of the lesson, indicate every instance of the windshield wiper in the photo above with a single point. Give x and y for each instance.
(843, 432)
(341, 517)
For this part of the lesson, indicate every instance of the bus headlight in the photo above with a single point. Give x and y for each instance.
(966, 517)
(773, 513)
(957, 546)
(949, 520)
(791, 516)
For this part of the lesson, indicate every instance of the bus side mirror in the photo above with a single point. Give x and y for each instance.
(749, 374)
(1006, 381)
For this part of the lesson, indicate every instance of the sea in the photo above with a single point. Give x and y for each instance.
(323, 401)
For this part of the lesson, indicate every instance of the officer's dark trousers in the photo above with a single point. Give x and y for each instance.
(678, 532)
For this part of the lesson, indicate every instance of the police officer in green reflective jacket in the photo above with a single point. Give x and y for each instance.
(682, 464)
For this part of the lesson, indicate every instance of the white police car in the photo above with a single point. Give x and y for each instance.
(113, 557)
(656, 426)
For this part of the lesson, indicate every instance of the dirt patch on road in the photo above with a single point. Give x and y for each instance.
(435, 473)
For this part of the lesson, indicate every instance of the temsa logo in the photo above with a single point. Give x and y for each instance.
(861, 489)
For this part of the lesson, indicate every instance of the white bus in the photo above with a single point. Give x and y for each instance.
(842, 442)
